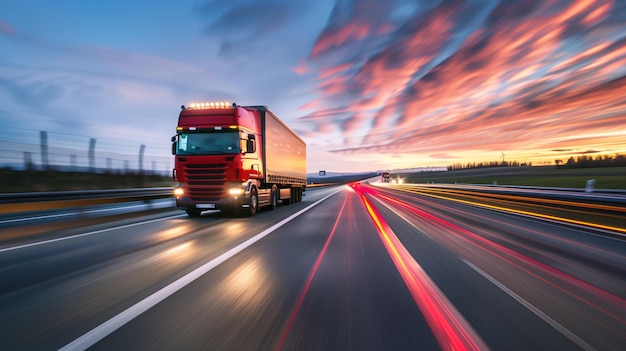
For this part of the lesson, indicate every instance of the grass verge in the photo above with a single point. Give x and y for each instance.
(605, 178)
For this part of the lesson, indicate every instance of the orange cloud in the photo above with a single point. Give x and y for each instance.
(549, 77)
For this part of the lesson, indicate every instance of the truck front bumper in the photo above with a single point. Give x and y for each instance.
(234, 200)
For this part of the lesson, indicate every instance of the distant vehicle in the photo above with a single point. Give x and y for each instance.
(385, 177)
(236, 159)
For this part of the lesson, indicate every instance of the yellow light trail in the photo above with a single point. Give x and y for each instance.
(528, 213)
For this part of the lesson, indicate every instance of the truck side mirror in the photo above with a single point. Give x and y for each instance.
(250, 146)
(174, 145)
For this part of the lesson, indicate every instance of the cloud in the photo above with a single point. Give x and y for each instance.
(6, 29)
(100, 74)
(37, 92)
(467, 75)
(247, 24)
(106, 88)
(237, 20)
(353, 21)
(442, 156)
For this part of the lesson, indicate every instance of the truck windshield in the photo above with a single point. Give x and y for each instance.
(208, 143)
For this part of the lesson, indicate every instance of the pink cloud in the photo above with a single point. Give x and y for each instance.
(326, 73)
(6, 28)
(301, 70)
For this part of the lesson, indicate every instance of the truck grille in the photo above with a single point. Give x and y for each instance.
(206, 182)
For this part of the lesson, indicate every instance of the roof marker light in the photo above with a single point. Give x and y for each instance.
(210, 105)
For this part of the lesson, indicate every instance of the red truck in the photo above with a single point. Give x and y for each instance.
(385, 177)
(235, 159)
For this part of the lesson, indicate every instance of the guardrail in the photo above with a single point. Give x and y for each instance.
(36, 201)
(598, 195)
(606, 212)
(319, 185)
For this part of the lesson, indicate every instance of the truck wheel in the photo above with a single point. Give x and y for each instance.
(299, 195)
(274, 199)
(254, 202)
(193, 212)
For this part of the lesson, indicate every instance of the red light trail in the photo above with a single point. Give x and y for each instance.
(451, 330)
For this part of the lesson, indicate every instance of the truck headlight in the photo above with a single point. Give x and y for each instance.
(179, 192)
(235, 191)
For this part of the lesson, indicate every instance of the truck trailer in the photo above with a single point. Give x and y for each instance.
(235, 159)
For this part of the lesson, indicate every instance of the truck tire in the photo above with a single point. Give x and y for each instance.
(193, 212)
(299, 195)
(273, 199)
(253, 203)
(296, 195)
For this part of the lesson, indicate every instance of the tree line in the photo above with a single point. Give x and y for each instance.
(471, 165)
(591, 162)
(583, 161)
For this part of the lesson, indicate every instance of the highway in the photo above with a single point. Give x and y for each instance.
(359, 267)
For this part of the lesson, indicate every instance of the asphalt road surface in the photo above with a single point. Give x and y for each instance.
(358, 267)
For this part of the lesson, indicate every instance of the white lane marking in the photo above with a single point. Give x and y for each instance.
(108, 327)
(87, 234)
(38, 217)
(74, 213)
(568, 334)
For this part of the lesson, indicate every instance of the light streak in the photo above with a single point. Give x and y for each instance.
(534, 214)
(523, 198)
(610, 257)
(562, 243)
(451, 330)
(502, 252)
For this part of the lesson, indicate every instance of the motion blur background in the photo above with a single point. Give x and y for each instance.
(369, 85)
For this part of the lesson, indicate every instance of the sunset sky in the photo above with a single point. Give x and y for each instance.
(369, 84)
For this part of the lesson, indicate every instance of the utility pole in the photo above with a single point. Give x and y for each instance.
(28, 160)
(43, 140)
(92, 155)
(142, 148)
